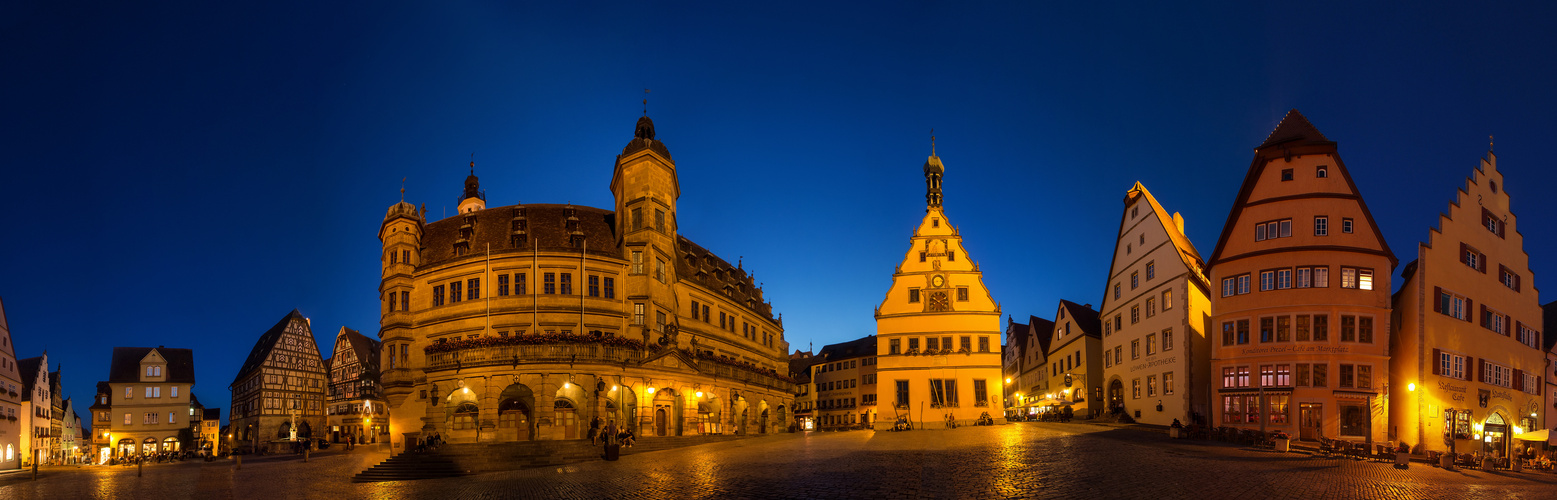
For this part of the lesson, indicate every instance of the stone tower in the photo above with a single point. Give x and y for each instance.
(645, 188)
(401, 237)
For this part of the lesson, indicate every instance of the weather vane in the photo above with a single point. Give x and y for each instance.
(645, 102)
(932, 142)
(402, 189)
(472, 163)
(1489, 143)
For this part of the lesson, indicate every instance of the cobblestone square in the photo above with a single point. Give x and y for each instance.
(1024, 460)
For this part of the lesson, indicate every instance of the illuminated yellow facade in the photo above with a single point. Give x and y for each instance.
(1302, 303)
(146, 402)
(11, 396)
(938, 329)
(1075, 359)
(1467, 352)
(1155, 310)
(526, 322)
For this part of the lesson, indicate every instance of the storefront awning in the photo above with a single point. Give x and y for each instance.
(1353, 395)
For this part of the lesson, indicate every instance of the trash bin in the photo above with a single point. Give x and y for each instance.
(613, 452)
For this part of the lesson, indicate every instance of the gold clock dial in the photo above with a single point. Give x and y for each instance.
(938, 301)
(938, 281)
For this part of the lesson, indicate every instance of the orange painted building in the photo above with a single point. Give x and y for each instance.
(1300, 278)
(1467, 351)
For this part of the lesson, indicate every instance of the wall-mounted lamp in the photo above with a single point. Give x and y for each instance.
(1411, 386)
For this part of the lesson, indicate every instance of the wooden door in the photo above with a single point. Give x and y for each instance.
(660, 422)
(1310, 420)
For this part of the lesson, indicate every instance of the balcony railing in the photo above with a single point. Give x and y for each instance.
(516, 354)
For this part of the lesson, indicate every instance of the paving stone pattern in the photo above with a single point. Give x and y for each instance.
(1024, 460)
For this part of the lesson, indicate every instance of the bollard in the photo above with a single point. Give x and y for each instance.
(305, 455)
(140, 467)
(34, 470)
(240, 463)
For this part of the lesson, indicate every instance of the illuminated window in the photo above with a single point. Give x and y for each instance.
(1321, 226)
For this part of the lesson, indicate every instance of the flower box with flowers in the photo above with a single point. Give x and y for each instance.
(447, 345)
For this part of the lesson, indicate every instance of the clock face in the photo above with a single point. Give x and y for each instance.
(938, 301)
(938, 281)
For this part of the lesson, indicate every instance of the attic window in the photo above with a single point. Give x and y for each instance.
(1493, 185)
(1286, 174)
(936, 222)
(1135, 212)
(1322, 172)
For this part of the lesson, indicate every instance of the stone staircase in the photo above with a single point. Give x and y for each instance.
(411, 465)
(463, 459)
(478, 458)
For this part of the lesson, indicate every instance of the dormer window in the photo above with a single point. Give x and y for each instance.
(1322, 172)
(154, 371)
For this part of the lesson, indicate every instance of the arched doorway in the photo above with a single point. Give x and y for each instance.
(1116, 397)
(170, 444)
(565, 418)
(513, 421)
(1494, 439)
(304, 431)
(126, 447)
(461, 416)
(149, 446)
(515, 412)
(667, 413)
(762, 426)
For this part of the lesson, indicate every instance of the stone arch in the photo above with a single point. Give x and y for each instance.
(516, 413)
(781, 417)
(710, 413)
(762, 416)
(739, 413)
(565, 418)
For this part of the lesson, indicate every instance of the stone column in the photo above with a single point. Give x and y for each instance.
(486, 427)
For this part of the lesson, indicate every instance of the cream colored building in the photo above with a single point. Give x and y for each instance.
(527, 321)
(38, 441)
(1075, 359)
(1302, 305)
(11, 397)
(1155, 312)
(1467, 353)
(150, 399)
(845, 382)
(938, 329)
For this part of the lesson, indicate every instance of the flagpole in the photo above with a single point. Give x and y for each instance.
(488, 278)
(535, 300)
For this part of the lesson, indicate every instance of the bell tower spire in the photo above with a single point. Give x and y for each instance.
(933, 169)
(473, 198)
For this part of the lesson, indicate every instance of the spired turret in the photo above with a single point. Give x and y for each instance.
(401, 238)
(473, 198)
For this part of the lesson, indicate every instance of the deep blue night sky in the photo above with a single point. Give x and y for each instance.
(184, 175)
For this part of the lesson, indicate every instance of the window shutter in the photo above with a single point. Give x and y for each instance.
(1516, 282)
(1468, 308)
(1519, 379)
(1437, 298)
(1437, 361)
(1481, 261)
(1486, 320)
(1463, 251)
(1481, 370)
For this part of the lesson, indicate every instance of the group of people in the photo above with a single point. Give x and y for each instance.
(429, 443)
(609, 433)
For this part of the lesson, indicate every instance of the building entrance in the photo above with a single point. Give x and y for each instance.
(1116, 397)
(1310, 421)
(1494, 440)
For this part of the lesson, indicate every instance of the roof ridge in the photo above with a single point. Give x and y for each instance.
(1294, 126)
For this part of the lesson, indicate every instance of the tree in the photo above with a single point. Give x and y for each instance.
(186, 439)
